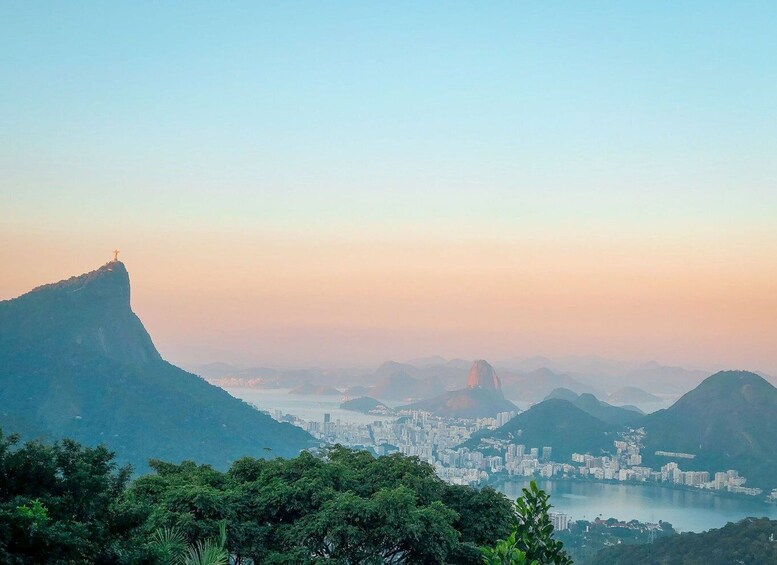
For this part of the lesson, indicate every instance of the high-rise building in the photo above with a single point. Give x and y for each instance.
(559, 520)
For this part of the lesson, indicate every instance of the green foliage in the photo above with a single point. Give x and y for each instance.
(749, 541)
(64, 503)
(35, 512)
(729, 422)
(583, 539)
(506, 552)
(532, 541)
(168, 545)
(554, 422)
(344, 505)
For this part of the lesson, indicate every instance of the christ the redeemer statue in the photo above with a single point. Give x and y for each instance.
(115, 255)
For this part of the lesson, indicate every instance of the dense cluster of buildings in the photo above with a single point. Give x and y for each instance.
(435, 440)
(624, 465)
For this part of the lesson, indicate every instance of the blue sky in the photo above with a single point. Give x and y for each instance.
(644, 112)
(365, 151)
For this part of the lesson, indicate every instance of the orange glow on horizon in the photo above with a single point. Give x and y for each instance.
(291, 300)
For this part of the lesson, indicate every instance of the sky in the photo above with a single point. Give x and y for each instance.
(310, 183)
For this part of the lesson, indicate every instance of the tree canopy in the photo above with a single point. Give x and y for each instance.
(65, 503)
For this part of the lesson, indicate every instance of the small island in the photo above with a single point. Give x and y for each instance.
(367, 405)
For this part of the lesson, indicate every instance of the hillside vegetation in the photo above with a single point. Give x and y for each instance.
(64, 503)
(749, 542)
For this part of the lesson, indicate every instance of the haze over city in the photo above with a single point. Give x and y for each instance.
(391, 283)
(523, 180)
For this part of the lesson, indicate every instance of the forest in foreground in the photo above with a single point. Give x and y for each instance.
(65, 503)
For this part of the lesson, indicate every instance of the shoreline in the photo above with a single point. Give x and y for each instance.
(501, 480)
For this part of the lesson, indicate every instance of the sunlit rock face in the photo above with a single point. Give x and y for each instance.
(482, 375)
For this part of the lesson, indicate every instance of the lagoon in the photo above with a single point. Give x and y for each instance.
(686, 510)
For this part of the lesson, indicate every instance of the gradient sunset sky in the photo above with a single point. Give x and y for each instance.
(302, 183)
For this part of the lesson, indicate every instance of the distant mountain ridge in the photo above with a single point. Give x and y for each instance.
(75, 361)
(615, 415)
(632, 395)
(397, 384)
(482, 398)
(536, 384)
(609, 374)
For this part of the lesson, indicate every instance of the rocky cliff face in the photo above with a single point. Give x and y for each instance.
(482, 375)
(88, 314)
(76, 362)
(482, 398)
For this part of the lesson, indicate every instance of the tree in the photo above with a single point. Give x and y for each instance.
(65, 503)
(62, 503)
(169, 547)
(532, 541)
(342, 505)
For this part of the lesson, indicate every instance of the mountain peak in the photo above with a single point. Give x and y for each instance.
(729, 421)
(109, 281)
(735, 378)
(730, 386)
(482, 375)
(88, 314)
(75, 361)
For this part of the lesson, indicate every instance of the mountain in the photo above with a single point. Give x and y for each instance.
(539, 383)
(429, 361)
(615, 415)
(482, 375)
(572, 365)
(729, 421)
(556, 423)
(482, 398)
(356, 391)
(390, 368)
(75, 361)
(307, 389)
(609, 374)
(632, 395)
(664, 379)
(89, 314)
(562, 394)
(366, 405)
(618, 416)
(469, 403)
(446, 373)
(399, 385)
